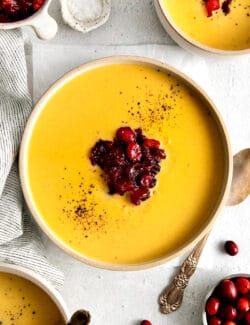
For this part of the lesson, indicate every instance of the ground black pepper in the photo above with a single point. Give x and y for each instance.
(84, 212)
(154, 108)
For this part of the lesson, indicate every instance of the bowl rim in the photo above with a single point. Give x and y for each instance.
(28, 20)
(210, 291)
(39, 281)
(181, 37)
(124, 60)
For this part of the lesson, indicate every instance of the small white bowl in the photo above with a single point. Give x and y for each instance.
(44, 25)
(76, 17)
(186, 41)
(229, 277)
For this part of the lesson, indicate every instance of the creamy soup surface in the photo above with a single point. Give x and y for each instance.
(71, 195)
(225, 32)
(22, 302)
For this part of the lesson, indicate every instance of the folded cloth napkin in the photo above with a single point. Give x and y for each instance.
(19, 241)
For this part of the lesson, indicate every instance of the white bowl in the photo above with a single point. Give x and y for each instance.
(24, 162)
(44, 25)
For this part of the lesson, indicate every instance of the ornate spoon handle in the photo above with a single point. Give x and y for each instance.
(171, 297)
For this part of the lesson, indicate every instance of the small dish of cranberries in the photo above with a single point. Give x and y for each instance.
(15, 10)
(34, 13)
(228, 303)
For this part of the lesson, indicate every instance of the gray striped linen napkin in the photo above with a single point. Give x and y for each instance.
(19, 240)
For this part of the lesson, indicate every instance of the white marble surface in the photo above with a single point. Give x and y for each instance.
(117, 298)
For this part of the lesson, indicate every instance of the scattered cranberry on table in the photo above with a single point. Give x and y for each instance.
(15, 10)
(130, 163)
(146, 322)
(231, 248)
(229, 303)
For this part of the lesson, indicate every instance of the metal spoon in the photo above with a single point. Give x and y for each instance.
(171, 297)
(80, 317)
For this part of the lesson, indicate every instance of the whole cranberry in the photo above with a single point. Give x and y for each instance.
(214, 321)
(212, 306)
(37, 4)
(228, 313)
(247, 318)
(229, 322)
(228, 289)
(242, 285)
(240, 316)
(146, 322)
(243, 304)
(231, 248)
(125, 134)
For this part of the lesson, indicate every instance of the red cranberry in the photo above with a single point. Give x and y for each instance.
(214, 321)
(3, 19)
(228, 289)
(231, 248)
(228, 313)
(134, 151)
(212, 306)
(240, 316)
(125, 134)
(243, 304)
(146, 322)
(242, 285)
(152, 143)
(124, 185)
(139, 195)
(146, 181)
(247, 318)
(37, 4)
(7, 3)
(229, 322)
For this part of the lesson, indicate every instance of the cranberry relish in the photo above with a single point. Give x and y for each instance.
(14, 10)
(131, 161)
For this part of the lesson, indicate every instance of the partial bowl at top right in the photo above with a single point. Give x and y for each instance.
(207, 26)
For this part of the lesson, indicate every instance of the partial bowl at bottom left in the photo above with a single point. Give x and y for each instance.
(26, 298)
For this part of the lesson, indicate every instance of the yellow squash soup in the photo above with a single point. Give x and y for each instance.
(225, 32)
(71, 195)
(22, 302)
